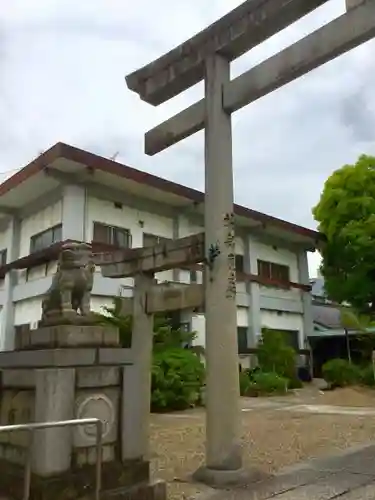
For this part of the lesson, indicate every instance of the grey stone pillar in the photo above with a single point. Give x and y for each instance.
(54, 401)
(223, 450)
(252, 291)
(176, 235)
(13, 253)
(137, 378)
(255, 318)
(74, 212)
(303, 274)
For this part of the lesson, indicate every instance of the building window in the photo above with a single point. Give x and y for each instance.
(193, 276)
(291, 337)
(46, 238)
(118, 237)
(239, 263)
(272, 271)
(3, 257)
(150, 240)
(242, 339)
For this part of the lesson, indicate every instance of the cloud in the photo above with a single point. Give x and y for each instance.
(63, 65)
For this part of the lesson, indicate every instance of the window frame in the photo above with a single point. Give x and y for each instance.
(240, 263)
(34, 247)
(273, 271)
(242, 340)
(112, 231)
(193, 276)
(3, 257)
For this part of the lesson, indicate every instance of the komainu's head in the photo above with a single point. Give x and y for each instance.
(75, 255)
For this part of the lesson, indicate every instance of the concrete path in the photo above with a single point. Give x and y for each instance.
(348, 476)
(331, 410)
(258, 404)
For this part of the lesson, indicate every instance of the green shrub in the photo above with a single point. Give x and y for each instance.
(275, 355)
(269, 383)
(295, 383)
(367, 376)
(245, 383)
(340, 373)
(177, 379)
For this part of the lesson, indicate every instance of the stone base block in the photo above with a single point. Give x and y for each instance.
(62, 336)
(224, 478)
(78, 483)
(146, 491)
(68, 318)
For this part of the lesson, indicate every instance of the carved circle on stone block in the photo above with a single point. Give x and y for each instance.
(96, 406)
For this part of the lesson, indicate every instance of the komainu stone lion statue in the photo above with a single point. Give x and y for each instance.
(68, 298)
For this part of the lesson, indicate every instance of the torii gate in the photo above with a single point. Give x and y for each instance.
(207, 56)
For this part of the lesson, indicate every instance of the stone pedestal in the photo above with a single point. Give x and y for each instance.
(63, 373)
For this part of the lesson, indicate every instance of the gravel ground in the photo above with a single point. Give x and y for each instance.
(351, 396)
(271, 439)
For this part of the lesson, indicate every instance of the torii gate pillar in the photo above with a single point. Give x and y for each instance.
(223, 450)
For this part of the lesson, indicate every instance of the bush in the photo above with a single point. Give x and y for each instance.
(177, 379)
(245, 382)
(268, 383)
(295, 383)
(367, 376)
(276, 356)
(340, 373)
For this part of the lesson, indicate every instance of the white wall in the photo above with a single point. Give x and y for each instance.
(198, 325)
(283, 321)
(28, 311)
(2, 328)
(98, 302)
(136, 221)
(4, 238)
(278, 255)
(38, 222)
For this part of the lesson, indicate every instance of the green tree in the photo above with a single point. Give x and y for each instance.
(346, 217)
(350, 320)
(165, 335)
(363, 325)
(177, 370)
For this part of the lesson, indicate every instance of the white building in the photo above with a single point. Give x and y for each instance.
(67, 193)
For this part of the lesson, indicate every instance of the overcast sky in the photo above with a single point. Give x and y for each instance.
(62, 67)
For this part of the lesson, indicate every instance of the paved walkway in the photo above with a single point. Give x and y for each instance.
(348, 476)
(257, 404)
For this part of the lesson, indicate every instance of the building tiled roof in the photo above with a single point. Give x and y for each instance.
(327, 316)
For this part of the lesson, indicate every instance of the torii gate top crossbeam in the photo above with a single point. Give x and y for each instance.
(248, 25)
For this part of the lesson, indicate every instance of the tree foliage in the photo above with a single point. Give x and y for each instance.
(346, 217)
(177, 370)
(165, 335)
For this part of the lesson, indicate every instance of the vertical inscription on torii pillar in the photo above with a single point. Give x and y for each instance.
(230, 247)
